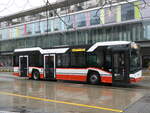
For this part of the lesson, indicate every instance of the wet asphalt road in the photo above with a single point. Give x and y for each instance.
(29, 96)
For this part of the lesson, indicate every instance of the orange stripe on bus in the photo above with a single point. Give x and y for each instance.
(71, 77)
(106, 79)
(30, 75)
(16, 74)
(41, 76)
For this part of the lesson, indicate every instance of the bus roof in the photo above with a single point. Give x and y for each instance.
(64, 50)
(42, 51)
(109, 43)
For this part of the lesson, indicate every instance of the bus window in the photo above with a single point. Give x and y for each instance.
(91, 60)
(63, 60)
(116, 63)
(135, 63)
(100, 58)
(34, 60)
(16, 61)
(59, 61)
(78, 59)
(108, 62)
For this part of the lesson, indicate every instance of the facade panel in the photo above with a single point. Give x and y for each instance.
(110, 15)
(127, 12)
(116, 14)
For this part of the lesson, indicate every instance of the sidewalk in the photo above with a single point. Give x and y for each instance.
(140, 106)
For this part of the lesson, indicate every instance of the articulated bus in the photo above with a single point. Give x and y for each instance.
(105, 62)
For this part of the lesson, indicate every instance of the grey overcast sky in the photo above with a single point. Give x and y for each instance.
(8, 7)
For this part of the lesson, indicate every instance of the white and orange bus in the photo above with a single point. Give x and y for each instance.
(106, 62)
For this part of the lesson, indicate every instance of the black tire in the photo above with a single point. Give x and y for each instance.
(94, 78)
(36, 75)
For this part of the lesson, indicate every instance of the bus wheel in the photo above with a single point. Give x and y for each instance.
(36, 75)
(94, 78)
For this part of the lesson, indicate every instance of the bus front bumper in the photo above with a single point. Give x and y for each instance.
(132, 80)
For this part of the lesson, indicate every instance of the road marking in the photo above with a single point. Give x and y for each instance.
(62, 102)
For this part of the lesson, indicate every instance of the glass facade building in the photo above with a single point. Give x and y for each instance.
(97, 16)
(121, 21)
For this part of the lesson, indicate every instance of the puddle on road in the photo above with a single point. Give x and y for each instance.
(8, 112)
(21, 109)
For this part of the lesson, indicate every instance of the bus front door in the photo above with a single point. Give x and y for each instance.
(23, 66)
(120, 68)
(49, 66)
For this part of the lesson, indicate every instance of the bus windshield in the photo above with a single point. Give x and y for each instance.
(135, 63)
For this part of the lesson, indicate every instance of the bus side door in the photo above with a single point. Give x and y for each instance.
(120, 67)
(23, 66)
(49, 66)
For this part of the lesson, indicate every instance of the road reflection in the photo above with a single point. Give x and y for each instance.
(111, 97)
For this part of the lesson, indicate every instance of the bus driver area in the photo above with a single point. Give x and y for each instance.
(116, 62)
